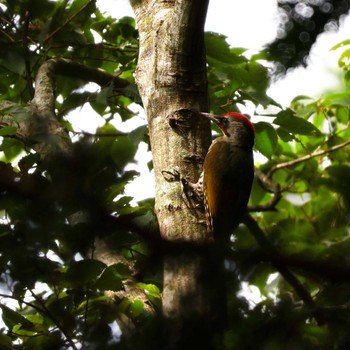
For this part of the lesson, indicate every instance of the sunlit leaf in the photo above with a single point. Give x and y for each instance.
(266, 138)
(341, 44)
(295, 125)
(217, 47)
(136, 308)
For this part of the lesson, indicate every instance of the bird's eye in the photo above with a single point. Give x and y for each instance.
(226, 123)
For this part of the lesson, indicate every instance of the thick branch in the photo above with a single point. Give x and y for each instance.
(79, 71)
(44, 126)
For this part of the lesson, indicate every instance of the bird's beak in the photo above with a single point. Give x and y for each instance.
(215, 118)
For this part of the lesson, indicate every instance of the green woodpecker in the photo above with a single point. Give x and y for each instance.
(228, 173)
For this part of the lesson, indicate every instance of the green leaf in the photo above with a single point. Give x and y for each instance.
(35, 318)
(75, 100)
(98, 108)
(77, 5)
(343, 61)
(258, 98)
(347, 78)
(109, 281)
(12, 148)
(266, 138)
(339, 96)
(136, 308)
(105, 93)
(341, 44)
(84, 271)
(27, 162)
(284, 135)
(111, 278)
(11, 318)
(150, 289)
(217, 48)
(5, 342)
(17, 329)
(19, 113)
(296, 100)
(137, 135)
(295, 125)
(340, 173)
(8, 130)
(123, 151)
(14, 61)
(343, 114)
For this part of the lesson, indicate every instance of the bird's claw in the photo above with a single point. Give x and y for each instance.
(172, 175)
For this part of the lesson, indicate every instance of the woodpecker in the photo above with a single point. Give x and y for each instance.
(228, 173)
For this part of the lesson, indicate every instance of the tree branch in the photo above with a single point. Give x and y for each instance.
(44, 120)
(44, 126)
(276, 261)
(307, 157)
(270, 186)
(79, 71)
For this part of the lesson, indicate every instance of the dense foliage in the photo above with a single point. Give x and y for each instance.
(57, 208)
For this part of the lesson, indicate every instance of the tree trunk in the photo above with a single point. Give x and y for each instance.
(171, 76)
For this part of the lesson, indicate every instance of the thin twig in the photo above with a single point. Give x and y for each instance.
(307, 157)
(42, 310)
(53, 318)
(269, 185)
(26, 60)
(19, 300)
(67, 21)
(7, 36)
(100, 134)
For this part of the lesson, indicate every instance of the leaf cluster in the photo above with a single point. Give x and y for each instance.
(55, 210)
(52, 218)
(234, 79)
(37, 30)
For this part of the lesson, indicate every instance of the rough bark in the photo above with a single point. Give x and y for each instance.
(171, 76)
(44, 127)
